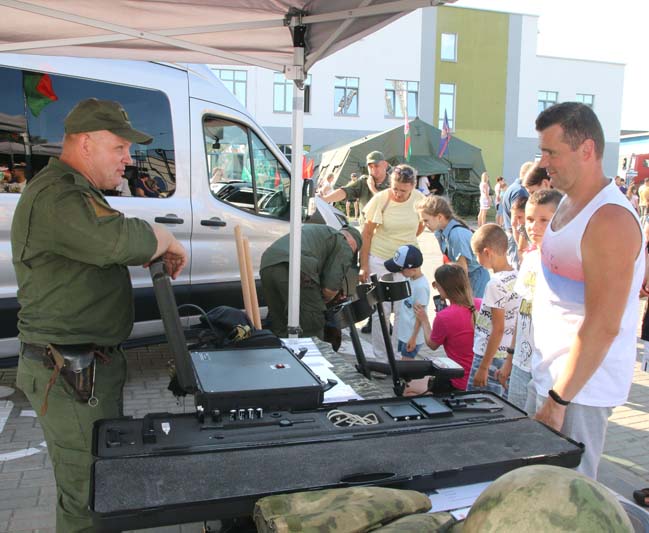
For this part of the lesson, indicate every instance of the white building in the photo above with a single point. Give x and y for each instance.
(479, 66)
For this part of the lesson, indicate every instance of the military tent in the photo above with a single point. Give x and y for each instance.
(459, 168)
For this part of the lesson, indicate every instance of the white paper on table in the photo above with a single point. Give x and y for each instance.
(341, 393)
(313, 361)
(28, 412)
(325, 373)
(460, 514)
(300, 343)
(456, 497)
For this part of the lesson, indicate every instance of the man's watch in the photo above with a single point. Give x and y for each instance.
(556, 398)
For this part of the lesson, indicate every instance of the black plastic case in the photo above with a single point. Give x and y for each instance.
(169, 469)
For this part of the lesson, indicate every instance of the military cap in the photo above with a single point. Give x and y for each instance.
(375, 157)
(96, 115)
(355, 234)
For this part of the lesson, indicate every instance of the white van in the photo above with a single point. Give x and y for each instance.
(209, 168)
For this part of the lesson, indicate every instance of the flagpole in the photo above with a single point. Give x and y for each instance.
(27, 138)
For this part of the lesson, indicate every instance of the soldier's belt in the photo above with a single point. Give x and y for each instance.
(75, 363)
(37, 353)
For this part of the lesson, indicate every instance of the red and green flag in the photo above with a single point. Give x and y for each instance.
(407, 150)
(38, 91)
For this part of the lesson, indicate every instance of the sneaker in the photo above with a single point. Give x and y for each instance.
(367, 327)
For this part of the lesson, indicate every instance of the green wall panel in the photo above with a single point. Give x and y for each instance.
(480, 78)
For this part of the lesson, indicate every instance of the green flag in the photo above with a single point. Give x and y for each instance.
(38, 91)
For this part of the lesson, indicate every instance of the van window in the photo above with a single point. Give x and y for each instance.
(33, 107)
(243, 171)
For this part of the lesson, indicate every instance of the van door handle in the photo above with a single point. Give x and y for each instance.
(169, 219)
(214, 222)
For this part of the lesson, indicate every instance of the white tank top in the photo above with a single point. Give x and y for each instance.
(558, 311)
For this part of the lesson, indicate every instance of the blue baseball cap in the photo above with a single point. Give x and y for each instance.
(407, 256)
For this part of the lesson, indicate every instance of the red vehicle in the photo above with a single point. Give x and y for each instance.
(637, 168)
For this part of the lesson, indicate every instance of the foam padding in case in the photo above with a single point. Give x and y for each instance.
(423, 460)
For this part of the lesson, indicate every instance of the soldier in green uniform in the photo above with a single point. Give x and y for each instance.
(71, 251)
(367, 185)
(327, 256)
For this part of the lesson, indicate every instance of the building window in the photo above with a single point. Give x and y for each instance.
(547, 99)
(401, 94)
(283, 94)
(346, 96)
(235, 81)
(287, 150)
(448, 47)
(447, 104)
(587, 99)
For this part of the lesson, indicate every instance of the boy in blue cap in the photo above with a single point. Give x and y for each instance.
(410, 334)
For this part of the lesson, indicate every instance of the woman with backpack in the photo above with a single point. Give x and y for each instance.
(454, 237)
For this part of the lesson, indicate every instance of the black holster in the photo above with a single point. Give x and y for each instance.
(76, 364)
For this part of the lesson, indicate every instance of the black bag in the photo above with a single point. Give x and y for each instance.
(230, 327)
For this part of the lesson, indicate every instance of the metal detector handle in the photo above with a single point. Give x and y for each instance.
(399, 387)
(171, 320)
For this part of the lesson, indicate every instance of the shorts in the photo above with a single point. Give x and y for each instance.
(403, 350)
(493, 384)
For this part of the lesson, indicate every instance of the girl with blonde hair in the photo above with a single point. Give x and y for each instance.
(454, 238)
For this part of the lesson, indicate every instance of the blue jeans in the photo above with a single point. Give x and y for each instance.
(517, 391)
(493, 384)
(403, 350)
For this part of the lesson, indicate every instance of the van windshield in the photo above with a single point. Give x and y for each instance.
(243, 171)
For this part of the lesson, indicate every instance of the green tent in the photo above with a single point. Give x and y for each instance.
(459, 169)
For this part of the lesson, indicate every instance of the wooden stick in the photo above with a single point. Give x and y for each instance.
(254, 302)
(245, 287)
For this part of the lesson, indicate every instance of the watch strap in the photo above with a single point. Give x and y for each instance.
(556, 398)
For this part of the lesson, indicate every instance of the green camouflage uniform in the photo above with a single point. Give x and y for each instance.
(547, 499)
(326, 257)
(70, 252)
(347, 510)
(359, 190)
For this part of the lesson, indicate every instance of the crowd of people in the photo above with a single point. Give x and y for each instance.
(542, 310)
(523, 309)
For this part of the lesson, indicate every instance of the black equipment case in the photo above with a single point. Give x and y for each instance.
(235, 378)
(168, 469)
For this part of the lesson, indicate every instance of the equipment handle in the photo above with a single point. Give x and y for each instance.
(331, 383)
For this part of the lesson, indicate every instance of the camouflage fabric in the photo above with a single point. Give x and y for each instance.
(419, 523)
(347, 510)
(546, 499)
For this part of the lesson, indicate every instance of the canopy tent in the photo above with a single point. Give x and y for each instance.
(288, 36)
(462, 162)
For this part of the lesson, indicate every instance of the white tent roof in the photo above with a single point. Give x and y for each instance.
(288, 36)
(255, 32)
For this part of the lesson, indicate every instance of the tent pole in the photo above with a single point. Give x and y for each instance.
(297, 143)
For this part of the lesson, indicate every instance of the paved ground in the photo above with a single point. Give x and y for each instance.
(27, 492)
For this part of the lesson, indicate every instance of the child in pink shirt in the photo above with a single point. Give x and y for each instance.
(454, 325)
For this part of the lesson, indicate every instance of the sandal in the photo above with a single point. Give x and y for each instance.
(641, 497)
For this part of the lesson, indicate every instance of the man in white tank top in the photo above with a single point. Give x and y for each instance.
(585, 310)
